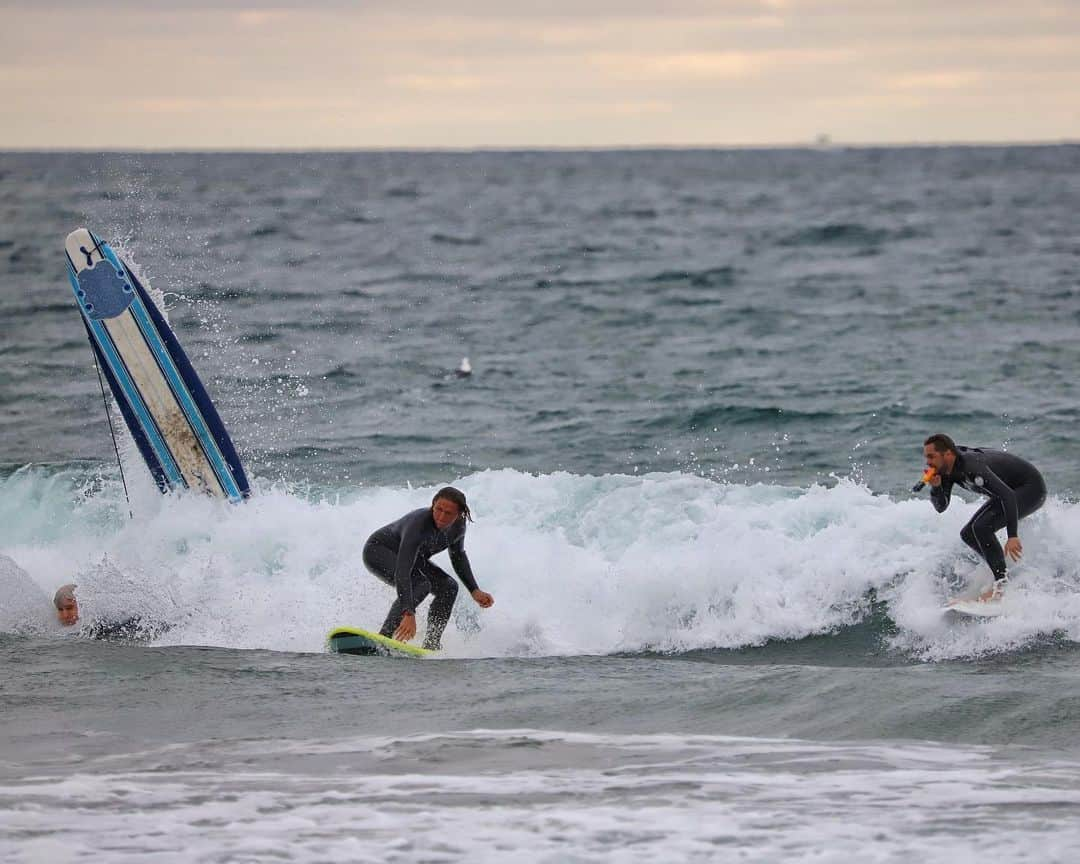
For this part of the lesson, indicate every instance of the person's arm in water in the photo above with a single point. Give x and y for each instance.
(463, 568)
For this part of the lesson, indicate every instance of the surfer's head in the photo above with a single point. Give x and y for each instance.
(67, 608)
(940, 453)
(448, 506)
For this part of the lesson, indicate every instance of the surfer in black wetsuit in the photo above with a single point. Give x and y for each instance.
(1014, 486)
(399, 555)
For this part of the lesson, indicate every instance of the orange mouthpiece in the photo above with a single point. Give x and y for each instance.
(928, 475)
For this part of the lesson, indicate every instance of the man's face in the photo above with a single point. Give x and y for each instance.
(935, 458)
(444, 513)
(68, 612)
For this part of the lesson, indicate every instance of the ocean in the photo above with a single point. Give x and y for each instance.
(702, 380)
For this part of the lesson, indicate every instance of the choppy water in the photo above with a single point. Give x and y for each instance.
(701, 384)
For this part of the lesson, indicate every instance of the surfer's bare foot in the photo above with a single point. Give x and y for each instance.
(990, 594)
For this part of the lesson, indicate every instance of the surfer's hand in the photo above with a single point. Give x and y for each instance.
(1013, 548)
(407, 628)
(482, 598)
(935, 481)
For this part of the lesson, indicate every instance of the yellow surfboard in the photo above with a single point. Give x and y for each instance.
(354, 640)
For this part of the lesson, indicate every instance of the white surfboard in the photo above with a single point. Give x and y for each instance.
(976, 608)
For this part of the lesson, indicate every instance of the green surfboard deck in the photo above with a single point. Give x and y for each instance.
(355, 640)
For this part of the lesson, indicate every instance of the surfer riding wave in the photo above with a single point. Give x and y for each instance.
(1014, 486)
(399, 554)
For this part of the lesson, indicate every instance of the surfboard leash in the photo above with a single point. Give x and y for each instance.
(112, 431)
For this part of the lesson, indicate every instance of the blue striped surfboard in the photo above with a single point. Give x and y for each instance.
(174, 423)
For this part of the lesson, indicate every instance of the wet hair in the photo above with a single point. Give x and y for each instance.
(63, 594)
(942, 443)
(455, 496)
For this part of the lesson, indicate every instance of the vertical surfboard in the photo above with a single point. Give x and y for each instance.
(166, 407)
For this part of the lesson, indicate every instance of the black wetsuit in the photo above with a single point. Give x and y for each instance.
(1014, 486)
(398, 554)
(133, 629)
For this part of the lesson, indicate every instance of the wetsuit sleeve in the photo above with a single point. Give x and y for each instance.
(462, 566)
(940, 495)
(1002, 491)
(406, 560)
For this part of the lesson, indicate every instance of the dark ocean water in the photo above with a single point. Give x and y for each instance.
(702, 380)
(618, 307)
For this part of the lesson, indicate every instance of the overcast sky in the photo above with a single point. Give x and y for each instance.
(590, 73)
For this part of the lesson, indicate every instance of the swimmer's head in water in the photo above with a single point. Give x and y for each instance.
(67, 609)
(448, 506)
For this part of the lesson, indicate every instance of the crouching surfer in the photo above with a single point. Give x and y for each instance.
(1014, 486)
(399, 554)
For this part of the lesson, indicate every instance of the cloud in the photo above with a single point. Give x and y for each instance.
(936, 80)
(439, 83)
(711, 66)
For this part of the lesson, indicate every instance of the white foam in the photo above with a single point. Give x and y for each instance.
(24, 607)
(552, 796)
(577, 564)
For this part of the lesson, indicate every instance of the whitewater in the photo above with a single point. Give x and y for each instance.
(579, 565)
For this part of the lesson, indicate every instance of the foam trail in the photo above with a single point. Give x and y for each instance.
(624, 798)
(577, 564)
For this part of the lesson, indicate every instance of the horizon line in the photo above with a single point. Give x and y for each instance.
(824, 145)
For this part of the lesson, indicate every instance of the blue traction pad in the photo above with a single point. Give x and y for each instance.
(104, 291)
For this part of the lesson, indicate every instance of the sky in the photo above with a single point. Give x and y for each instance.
(121, 74)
